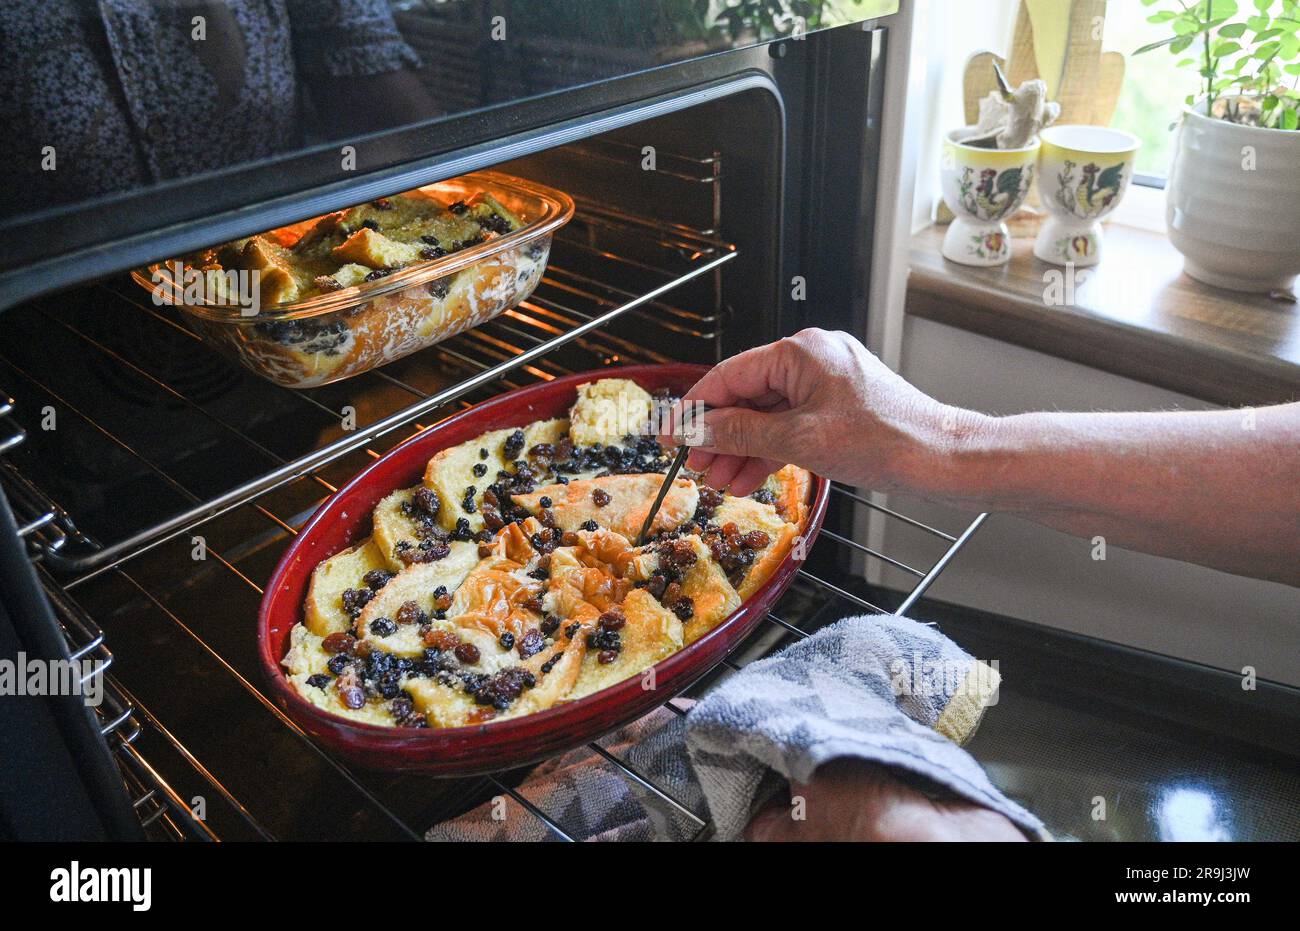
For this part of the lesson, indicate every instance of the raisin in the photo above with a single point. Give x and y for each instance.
(545, 540)
(514, 445)
(382, 203)
(672, 593)
(613, 619)
(532, 643)
(409, 613)
(319, 681)
(341, 663)
(495, 223)
(764, 496)
(657, 584)
(382, 627)
(354, 599)
(339, 642)
(590, 526)
(458, 208)
(379, 273)
(501, 689)
(433, 550)
(467, 653)
(755, 540)
(545, 501)
(492, 518)
(542, 451)
(441, 639)
(550, 624)
(709, 501)
(569, 538)
(482, 453)
(606, 657)
(376, 579)
(550, 663)
(600, 497)
(507, 640)
(468, 505)
(677, 554)
(427, 501)
(684, 608)
(534, 604)
(572, 629)
(479, 470)
(604, 640)
(350, 691)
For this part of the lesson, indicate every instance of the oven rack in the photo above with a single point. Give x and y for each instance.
(773, 633)
(153, 799)
(562, 328)
(569, 307)
(161, 812)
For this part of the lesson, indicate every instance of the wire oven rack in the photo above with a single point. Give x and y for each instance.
(584, 315)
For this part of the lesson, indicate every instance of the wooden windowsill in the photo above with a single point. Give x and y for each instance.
(1135, 314)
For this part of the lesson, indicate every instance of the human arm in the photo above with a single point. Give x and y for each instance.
(1218, 488)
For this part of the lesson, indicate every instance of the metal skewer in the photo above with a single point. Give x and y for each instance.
(678, 461)
(696, 410)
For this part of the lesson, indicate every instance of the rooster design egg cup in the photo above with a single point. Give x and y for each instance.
(982, 187)
(1083, 172)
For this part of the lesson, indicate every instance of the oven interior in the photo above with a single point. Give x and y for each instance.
(156, 484)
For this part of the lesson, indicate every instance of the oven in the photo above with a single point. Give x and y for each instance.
(723, 200)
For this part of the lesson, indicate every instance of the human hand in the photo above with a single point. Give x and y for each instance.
(822, 401)
(850, 800)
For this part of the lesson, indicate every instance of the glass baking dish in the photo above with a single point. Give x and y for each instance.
(338, 334)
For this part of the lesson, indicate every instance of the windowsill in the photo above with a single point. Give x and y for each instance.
(1134, 314)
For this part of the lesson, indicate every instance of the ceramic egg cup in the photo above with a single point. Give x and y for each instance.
(1083, 172)
(982, 187)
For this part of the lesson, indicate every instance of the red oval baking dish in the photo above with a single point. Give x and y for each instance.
(492, 746)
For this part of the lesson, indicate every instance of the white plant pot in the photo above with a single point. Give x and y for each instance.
(1233, 203)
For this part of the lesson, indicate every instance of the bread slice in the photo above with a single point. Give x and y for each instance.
(607, 410)
(442, 705)
(306, 658)
(375, 250)
(415, 583)
(323, 611)
(711, 594)
(791, 485)
(451, 472)
(651, 633)
(494, 597)
(555, 677)
(630, 497)
(748, 514)
(392, 526)
(276, 281)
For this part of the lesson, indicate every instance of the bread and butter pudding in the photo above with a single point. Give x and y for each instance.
(507, 581)
(363, 243)
(358, 288)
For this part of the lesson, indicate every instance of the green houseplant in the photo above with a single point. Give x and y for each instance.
(1233, 196)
